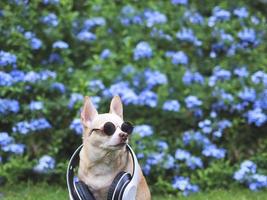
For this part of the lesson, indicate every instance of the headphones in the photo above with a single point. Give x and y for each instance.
(123, 187)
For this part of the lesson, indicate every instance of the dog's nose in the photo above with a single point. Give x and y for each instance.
(123, 136)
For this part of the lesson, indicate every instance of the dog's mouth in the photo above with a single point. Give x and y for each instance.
(120, 144)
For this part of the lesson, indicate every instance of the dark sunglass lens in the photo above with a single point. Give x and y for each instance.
(109, 128)
(127, 127)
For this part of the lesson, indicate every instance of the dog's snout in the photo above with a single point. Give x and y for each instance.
(123, 136)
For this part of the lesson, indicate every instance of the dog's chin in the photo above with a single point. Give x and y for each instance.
(117, 146)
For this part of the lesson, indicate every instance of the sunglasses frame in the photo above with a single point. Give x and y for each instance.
(102, 128)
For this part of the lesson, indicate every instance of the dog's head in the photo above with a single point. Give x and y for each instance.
(104, 130)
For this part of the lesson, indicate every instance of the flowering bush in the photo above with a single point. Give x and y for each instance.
(192, 77)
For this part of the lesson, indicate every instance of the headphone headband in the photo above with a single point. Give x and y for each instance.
(74, 161)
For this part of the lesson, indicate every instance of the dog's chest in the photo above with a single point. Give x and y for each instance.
(99, 184)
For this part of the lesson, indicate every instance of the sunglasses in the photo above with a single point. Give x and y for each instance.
(109, 128)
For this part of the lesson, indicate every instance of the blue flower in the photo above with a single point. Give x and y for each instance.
(162, 145)
(193, 162)
(154, 78)
(7, 58)
(148, 98)
(181, 154)
(183, 184)
(59, 87)
(142, 50)
(92, 22)
(181, 2)
(154, 158)
(96, 100)
(45, 164)
(192, 102)
(247, 94)
(218, 14)
(50, 19)
(25, 127)
(241, 72)
(34, 42)
(154, 17)
(122, 89)
(14, 148)
(32, 77)
(60, 45)
(75, 97)
(5, 139)
(247, 174)
(248, 35)
(105, 54)
(190, 78)
(205, 126)
(188, 35)
(5, 79)
(9, 105)
(197, 137)
(143, 130)
(178, 57)
(212, 151)
(36, 105)
(241, 12)
(171, 105)
(86, 36)
(39, 124)
(169, 162)
(256, 116)
(194, 17)
(76, 126)
(46, 2)
(258, 77)
(219, 74)
(96, 85)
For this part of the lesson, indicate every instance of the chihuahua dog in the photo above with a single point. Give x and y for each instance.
(103, 155)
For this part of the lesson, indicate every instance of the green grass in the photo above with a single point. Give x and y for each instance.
(43, 191)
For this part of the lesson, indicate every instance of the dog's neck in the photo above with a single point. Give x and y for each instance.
(98, 160)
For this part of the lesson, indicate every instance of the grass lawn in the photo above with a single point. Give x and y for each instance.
(42, 191)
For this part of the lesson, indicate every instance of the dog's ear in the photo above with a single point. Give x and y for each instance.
(88, 112)
(116, 106)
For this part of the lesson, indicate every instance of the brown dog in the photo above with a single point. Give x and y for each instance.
(104, 156)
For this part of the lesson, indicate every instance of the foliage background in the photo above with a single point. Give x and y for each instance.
(55, 52)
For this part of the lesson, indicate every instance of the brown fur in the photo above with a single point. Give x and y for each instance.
(100, 161)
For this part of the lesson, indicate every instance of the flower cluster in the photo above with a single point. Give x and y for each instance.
(247, 174)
